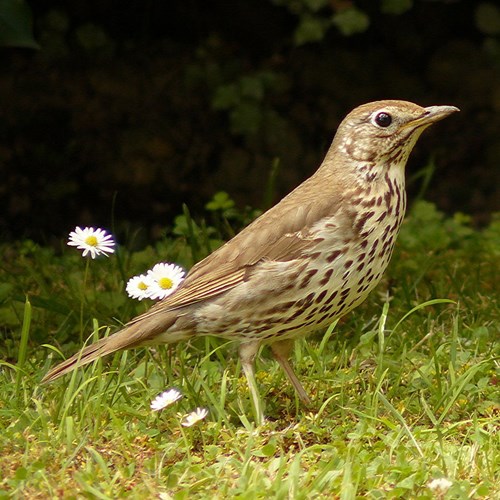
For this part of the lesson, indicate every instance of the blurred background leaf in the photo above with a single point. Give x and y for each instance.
(16, 25)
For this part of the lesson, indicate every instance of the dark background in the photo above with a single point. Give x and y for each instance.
(131, 108)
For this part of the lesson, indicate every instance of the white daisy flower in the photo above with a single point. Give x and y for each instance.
(194, 417)
(165, 399)
(92, 241)
(165, 279)
(440, 485)
(138, 287)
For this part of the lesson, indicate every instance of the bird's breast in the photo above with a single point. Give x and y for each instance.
(354, 249)
(283, 299)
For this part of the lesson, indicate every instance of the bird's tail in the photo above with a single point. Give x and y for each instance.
(132, 335)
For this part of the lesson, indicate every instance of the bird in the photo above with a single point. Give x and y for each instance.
(307, 261)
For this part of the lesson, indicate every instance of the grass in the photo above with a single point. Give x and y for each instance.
(405, 389)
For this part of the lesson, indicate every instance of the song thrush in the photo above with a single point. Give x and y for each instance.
(310, 259)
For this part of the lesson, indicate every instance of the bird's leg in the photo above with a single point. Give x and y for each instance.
(281, 350)
(247, 352)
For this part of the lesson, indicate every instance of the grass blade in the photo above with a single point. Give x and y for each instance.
(23, 347)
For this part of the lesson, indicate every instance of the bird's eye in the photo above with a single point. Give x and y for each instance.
(383, 119)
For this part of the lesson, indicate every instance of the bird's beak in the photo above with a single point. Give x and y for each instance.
(431, 115)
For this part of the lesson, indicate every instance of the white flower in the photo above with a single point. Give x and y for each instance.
(440, 485)
(165, 279)
(165, 399)
(194, 417)
(92, 241)
(138, 287)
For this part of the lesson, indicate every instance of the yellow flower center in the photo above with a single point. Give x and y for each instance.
(165, 283)
(142, 286)
(91, 241)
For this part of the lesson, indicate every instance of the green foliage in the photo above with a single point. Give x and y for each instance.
(94, 40)
(201, 239)
(16, 25)
(427, 228)
(250, 100)
(488, 18)
(396, 7)
(311, 29)
(245, 100)
(316, 17)
(351, 21)
(221, 201)
(491, 236)
(225, 219)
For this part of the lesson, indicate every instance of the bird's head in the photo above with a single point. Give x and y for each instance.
(385, 131)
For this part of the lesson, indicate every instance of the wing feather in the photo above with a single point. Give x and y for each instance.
(283, 233)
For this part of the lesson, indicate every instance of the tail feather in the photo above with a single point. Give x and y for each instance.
(133, 335)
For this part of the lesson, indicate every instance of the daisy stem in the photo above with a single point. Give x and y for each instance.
(82, 302)
(187, 442)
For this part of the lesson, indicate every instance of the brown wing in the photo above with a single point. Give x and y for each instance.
(280, 234)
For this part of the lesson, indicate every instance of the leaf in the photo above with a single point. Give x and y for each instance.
(220, 201)
(310, 29)
(246, 119)
(16, 25)
(252, 86)
(316, 5)
(5, 291)
(268, 450)
(488, 18)
(226, 97)
(351, 21)
(21, 474)
(396, 7)
(91, 37)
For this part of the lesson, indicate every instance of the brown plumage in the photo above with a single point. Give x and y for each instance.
(310, 259)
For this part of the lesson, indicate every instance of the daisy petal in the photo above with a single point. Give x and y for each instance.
(138, 286)
(165, 399)
(440, 485)
(194, 417)
(91, 241)
(165, 280)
